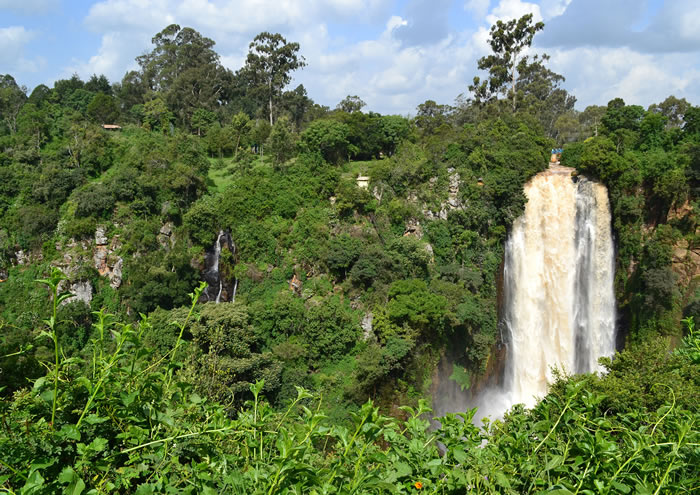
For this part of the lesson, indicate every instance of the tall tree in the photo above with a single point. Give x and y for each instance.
(351, 104)
(297, 103)
(269, 65)
(508, 41)
(430, 116)
(522, 79)
(99, 84)
(240, 126)
(12, 97)
(103, 109)
(591, 118)
(185, 69)
(672, 108)
(64, 88)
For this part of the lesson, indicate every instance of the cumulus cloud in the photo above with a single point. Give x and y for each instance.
(386, 71)
(553, 8)
(478, 7)
(596, 75)
(405, 55)
(13, 41)
(427, 22)
(513, 9)
(111, 59)
(128, 25)
(674, 28)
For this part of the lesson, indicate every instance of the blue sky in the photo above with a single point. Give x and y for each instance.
(393, 54)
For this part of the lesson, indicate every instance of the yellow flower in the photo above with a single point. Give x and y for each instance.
(418, 485)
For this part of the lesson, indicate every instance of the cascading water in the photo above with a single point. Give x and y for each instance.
(559, 304)
(211, 274)
(558, 300)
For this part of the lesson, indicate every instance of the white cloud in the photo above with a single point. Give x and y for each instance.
(129, 15)
(553, 8)
(390, 76)
(513, 9)
(111, 59)
(13, 41)
(597, 75)
(478, 7)
(14, 38)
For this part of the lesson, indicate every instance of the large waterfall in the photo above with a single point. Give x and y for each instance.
(558, 308)
(559, 304)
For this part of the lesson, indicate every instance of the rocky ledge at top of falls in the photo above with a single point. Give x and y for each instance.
(556, 169)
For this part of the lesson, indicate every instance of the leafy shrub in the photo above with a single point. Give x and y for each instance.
(94, 200)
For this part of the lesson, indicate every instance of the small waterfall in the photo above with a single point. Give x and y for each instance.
(216, 284)
(559, 306)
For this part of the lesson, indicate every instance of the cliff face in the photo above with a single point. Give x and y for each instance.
(660, 287)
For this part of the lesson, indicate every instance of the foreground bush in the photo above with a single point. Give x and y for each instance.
(123, 422)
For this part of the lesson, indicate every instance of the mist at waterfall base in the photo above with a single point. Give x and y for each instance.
(558, 298)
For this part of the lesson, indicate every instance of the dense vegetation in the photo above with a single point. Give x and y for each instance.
(342, 293)
(133, 424)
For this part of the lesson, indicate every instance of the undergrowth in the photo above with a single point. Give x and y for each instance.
(123, 421)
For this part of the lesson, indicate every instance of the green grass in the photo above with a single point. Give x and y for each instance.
(222, 177)
(354, 168)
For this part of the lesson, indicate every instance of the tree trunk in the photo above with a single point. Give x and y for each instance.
(512, 81)
(270, 87)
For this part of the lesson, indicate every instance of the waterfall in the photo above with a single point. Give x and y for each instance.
(559, 304)
(211, 273)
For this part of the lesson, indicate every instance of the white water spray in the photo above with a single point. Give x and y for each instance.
(559, 303)
(215, 267)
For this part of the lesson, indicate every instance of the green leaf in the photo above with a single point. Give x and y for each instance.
(403, 469)
(63, 297)
(33, 483)
(459, 455)
(621, 487)
(47, 395)
(145, 489)
(555, 461)
(75, 484)
(44, 333)
(502, 480)
(98, 444)
(39, 383)
(94, 419)
(302, 393)
(128, 399)
(85, 382)
(69, 432)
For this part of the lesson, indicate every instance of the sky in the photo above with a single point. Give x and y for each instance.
(394, 54)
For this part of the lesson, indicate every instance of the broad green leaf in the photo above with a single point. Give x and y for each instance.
(459, 455)
(622, 487)
(403, 469)
(98, 444)
(69, 432)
